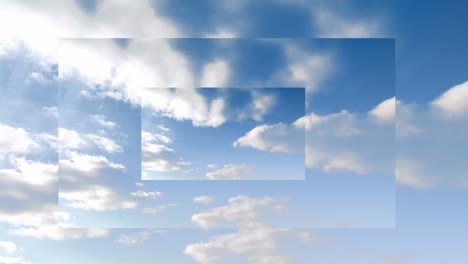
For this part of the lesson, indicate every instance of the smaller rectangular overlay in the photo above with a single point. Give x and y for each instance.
(222, 134)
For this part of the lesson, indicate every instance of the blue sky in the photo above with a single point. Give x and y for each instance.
(431, 113)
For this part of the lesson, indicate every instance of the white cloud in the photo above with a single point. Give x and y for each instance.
(230, 172)
(158, 209)
(101, 120)
(97, 198)
(143, 194)
(16, 141)
(222, 33)
(31, 172)
(341, 125)
(151, 150)
(28, 187)
(106, 144)
(306, 237)
(257, 245)
(350, 142)
(44, 225)
(148, 137)
(78, 164)
(47, 19)
(347, 162)
(452, 103)
(330, 24)
(12, 260)
(184, 163)
(59, 233)
(72, 140)
(405, 123)
(385, 111)
(153, 155)
(32, 218)
(409, 173)
(185, 104)
(203, 111)
(215, 74)
(7, 247)
(431, 147)
(242, 211)
(203, 199)
(211, 166)
(51, 111)
(133, 239)
(122, 72)
(279, 137)
(261, 105)
(49, 140)
(304, 68)
(164, 128)
(160, 165)
(38, 77)
(43, 51)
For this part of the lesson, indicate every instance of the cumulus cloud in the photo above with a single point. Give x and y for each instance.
(99, 198)
(7, 247)
(409, 173)
(215, 74)
(51, 111)
(304, 68)
(44, 224)
(253, 240)
(102, 120)
(230, 172)
(160, 165)
(431, 142)
(155, 156)
(150, 195)
(331, 24)
(385, 111)
(38, 77)
(16, 141)
(31, 172)
(261, 105)
(279, 137)
(452, 103)
(133, 239)
(346, 162)
(150, 150)
(72, 140)
(203, 199)
(158, 209)
(350, 142)
(29, 198)
(75, 165)
(257, 245)
(148, 137)
(47, 19)
(27, 186)
(12, 260)
(241, 211)
(185, 104)
(59, 233)
(120, 73)
(155, 149)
